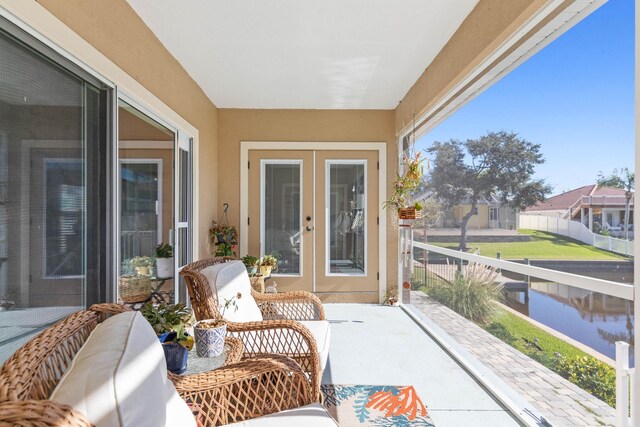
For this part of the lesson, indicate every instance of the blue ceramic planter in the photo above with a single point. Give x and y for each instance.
(176, 356)
(164, 336)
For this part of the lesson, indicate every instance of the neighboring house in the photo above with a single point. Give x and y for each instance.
(490, 214)
(591, 205)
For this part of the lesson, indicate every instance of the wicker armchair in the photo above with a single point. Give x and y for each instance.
(280, 331)
(237, 392)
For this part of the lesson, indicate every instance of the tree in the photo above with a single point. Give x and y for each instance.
(624, 180)
(498, 163)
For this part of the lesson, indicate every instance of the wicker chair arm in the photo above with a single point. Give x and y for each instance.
(109, 308)
(286, 337)
(245, 390)
(42, 413)
(299, 305)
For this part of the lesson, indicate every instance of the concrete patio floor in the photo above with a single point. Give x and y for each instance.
(381, 345)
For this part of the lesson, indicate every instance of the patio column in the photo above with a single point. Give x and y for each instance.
(581, 215)
(590, 218)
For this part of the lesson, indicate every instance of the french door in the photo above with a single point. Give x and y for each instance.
(317, 212)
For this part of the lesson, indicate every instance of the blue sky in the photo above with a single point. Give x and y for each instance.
(575, 98)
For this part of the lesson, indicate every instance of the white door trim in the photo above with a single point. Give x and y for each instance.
(380, 147)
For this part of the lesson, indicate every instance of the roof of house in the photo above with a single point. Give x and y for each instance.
(567, 199)
(608, 191)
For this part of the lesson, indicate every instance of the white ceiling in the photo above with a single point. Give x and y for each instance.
(308, 54)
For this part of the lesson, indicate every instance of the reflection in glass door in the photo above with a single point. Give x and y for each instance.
(146, 201)
(140, 201)
(53, 188)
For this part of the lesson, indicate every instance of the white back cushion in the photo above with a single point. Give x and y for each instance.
(321, 331)
(119, 377)
(231, 278)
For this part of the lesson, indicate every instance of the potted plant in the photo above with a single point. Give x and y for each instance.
(142, 265)
(392, 297)
(6, 302)
(210, 334)
(164, 260)
(170, 322)
(405, 184)
(251, 263)
(267, 264)
(224, 237)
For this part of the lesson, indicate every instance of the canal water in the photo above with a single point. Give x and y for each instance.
(593, 319)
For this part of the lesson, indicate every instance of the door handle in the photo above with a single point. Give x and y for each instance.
(309, 228)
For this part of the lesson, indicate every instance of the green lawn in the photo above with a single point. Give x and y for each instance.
(585, 371)
(519, 333)
(543, 245)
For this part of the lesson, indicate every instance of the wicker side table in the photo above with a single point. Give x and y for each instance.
(233, 350)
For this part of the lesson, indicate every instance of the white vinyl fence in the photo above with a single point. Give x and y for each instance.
(577, 231)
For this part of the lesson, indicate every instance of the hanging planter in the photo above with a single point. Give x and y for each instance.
(223, 237)
(404, 186)
(409, 213)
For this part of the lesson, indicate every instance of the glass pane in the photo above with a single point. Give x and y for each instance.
(139, 207)
(345, 234)
(183, 246)
(52, 144)
(185, 184)
(282, 234)
(146, 155)
(64, 222)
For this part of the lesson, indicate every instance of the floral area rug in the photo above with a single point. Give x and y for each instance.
(374, 405)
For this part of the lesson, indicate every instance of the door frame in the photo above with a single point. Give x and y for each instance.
(380, 147)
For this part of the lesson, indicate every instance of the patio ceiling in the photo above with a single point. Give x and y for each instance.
(304, 54)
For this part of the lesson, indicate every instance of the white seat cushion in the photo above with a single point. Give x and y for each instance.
(229, 279)
(312, 415)
(119, 378)
(322, 333)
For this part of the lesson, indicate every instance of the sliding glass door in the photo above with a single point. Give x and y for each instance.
(146, 152)
(54, 135)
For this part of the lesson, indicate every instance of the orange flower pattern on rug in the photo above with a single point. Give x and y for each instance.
(406, 402)
(375, 406)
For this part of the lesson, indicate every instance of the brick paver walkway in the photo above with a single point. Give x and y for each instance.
(558, 400)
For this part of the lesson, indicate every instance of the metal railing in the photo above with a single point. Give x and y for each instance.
(442, 264)
(606, 287)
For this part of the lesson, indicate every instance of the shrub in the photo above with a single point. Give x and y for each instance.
(589, 374)
(501, 332)
(472, 294)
